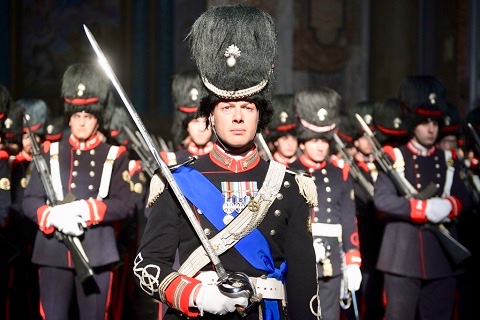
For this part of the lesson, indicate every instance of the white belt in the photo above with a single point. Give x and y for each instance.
(269, 288)
(326, 230)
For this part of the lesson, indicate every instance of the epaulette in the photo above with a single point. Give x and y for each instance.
(121, 150)
(46, 146)
(4, 154)
(158, 182)
(157, 186)
(306, 186)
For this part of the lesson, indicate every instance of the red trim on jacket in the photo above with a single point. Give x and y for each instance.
(417, 210)
(96, 209)
(456, 206)
(178, 294)
(353, 257)
(42, 215)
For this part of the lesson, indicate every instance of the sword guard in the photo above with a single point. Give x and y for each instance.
(236, 283)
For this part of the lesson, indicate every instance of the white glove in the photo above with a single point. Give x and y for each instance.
(354, 277)
(66, 220)
(320, 252)
(437, 209)
(212, 300)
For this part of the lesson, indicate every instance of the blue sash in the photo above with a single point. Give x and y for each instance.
(253, 247)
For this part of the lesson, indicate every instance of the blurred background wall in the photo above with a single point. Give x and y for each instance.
(361, 48)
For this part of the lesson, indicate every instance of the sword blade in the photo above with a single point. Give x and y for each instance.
(162, 165)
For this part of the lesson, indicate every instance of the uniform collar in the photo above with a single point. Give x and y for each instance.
(419, 150)
(310, 164)
(277, 156)
(195, 150)
(91, 143)
(24, 156)
(224, 160)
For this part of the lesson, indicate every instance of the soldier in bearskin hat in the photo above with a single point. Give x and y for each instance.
(23, 290)
(54, 128)
(334, 229)
(95, 174)
(234, 48)
(281, 131)
(189, 129)
(420, 277)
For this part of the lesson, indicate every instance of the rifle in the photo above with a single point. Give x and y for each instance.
(148, 162)
(80, 260)
(475, 137)
(455, 250)
(354, 169)
(263, 147)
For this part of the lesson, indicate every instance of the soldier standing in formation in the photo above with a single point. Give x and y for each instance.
(236, 66)
(334, 229)
(90, 171)
(281, 131)
(419, 277)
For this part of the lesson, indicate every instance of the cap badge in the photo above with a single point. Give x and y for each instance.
(447, 120)
(433, 98)
(232, 53)
(81, 88)
(8, 123)
(50, 129)
(322, 114)
(194, 94)
(397, 122)
(368, 118)
(283, 117)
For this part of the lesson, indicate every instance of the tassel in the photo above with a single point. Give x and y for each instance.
(157, 185)
(307, 189)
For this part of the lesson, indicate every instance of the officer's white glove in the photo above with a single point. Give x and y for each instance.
(437, 209)
(320, 252)
(211, 299)
(66, 220)
(354, 277)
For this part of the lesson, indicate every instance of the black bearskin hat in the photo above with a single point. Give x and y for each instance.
(365, 110)
(424, 99)
(389, 123)
(451, 122)
(317, 113)
(284, 120)
(54, 128)
(187, 91)
(346, 127)
(36, 112)
(116, 128)
(13, 124)
(234, 48)
(5, 103)
(85, 88)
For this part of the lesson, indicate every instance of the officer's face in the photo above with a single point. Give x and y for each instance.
(426, 133)
(235, 122)
(199, 134)
(287, 146)
(316, 149)
(83, 125)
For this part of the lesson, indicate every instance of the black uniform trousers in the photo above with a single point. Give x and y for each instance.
(403, 293)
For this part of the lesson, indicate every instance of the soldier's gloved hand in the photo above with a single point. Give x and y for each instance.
(211, 299)
(68, 222)
(437, 209)
(354, 277)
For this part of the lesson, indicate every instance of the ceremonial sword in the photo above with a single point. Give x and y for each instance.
(231, 283)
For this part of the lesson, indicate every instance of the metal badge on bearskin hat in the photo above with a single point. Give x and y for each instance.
(424, 99)
(186, 93)
(317, 113)
(54, 128)
(36, 112)
(284, 120)
(234, 48)
(389, 123)
(85, 88)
